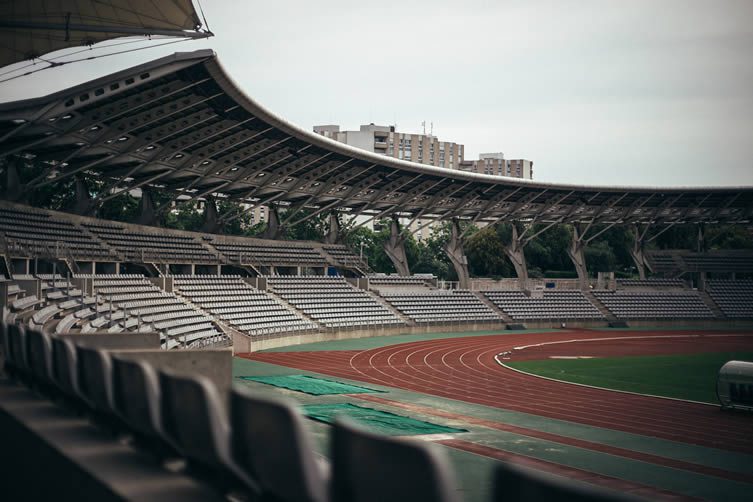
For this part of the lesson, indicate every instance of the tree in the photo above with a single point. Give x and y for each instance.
(486, 253)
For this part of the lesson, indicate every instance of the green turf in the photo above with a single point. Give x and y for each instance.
(310, 385)
(690, 377)
(383, 422)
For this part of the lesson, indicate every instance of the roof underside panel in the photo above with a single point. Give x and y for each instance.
(182, 125)
(30, 29)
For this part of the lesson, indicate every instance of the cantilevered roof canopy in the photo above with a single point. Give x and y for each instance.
(180, 124)
(30, 29)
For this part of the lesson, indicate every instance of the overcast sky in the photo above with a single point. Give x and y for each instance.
(628, 93)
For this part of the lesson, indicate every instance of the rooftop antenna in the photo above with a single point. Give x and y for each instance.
(424, 126)
(432, 129)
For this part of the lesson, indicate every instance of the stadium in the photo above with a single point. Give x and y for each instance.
(146, 355)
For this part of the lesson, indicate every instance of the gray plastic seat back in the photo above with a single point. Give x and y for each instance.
(135, 395)
(368, 467)
(39, 355)
(95, 377)
(513, 483)
(64, 373)
(17, 348)
(194, 419)
(271, 444)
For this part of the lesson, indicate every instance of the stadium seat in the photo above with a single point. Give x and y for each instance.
(194, 420)
(16, 364)
(513, 483)
(39, 354)
(368, 467)
(95, 379)
(64, 372)
(271, 443)
(135, 395)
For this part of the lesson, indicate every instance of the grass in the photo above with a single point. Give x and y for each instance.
(691, 376)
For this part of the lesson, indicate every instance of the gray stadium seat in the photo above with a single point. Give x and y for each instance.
(64, 372)
(369, 467)
(39, 354)
(17, 363)
(95, 378)
(271, 443)
(135, 396)
(513, 483)
(195, 422)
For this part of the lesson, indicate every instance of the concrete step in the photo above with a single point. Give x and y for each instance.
(407, 320)
(711, 304)
(602, 308)
(481, 296)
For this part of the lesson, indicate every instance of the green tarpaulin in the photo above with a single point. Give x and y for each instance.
(310, 385)
(375, 420)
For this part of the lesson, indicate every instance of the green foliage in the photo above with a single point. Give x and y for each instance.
(313, 229)
(124, 207)
(486, 254)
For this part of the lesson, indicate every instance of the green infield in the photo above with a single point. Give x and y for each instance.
(691, 376)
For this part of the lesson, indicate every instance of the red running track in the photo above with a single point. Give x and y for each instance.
(464, 369)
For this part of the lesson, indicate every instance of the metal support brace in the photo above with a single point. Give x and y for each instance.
(454, 250)
(211, 220)
(514, 252)
(577, 254)
(333, 234)
(395, 249)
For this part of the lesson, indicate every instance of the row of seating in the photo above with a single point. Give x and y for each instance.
(734, 298)
(30, 232)
(143, 302)
(331, 301)
(442, 306)
(626, 304)
(245, 445)
(564, 304)
(651, 283)
(239, 304)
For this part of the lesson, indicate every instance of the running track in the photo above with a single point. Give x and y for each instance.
(464, 369)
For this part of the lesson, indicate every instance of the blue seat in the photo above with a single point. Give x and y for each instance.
(271, 444)
(368, 467)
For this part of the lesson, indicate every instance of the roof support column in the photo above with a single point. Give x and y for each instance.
(211, 219)
(333, 234)
(83, 204)
(395, 249)
(147, 214)
(636, 252)
(514, 252)
(577, 254)
(701, 248)
(14, 190)
(454, 250)
(274, 229)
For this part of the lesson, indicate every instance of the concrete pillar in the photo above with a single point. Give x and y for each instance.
(83, 204)
(514, 252)
(147, 214)
(333, 234)
(636, 252)
(211, 219)
(701, 248)
(395, 249)
(14, 190)
(577, 254)
(274, 229)
(454, 250)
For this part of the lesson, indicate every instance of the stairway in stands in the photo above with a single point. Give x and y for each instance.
(602, 308)
(486, 301)
(712, 305)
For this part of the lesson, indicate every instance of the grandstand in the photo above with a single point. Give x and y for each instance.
(118, 338)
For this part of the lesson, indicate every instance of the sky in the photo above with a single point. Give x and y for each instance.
(593, 92)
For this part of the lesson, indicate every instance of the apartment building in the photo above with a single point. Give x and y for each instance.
(384, 140)
(495, 164)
